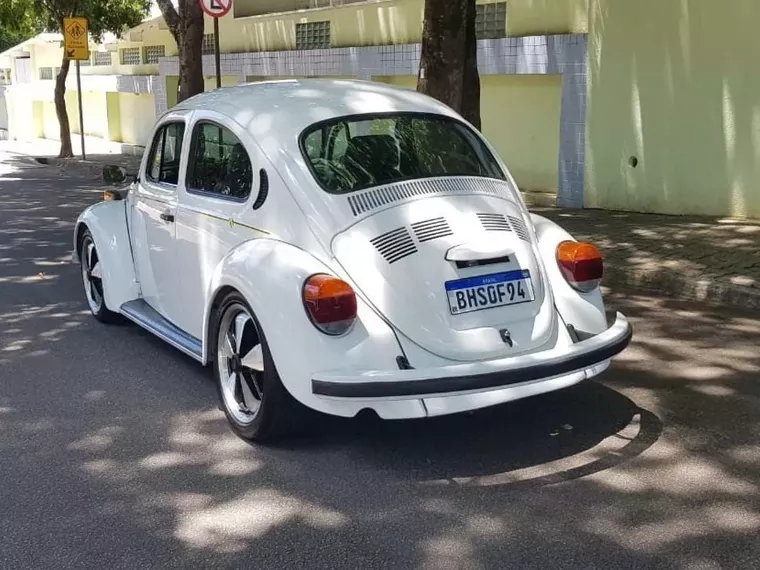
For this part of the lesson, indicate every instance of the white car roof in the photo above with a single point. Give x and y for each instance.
(289, 106)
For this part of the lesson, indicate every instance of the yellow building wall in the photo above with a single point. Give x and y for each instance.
(386, 22)
(47, 120)
(520, 117)
(137, 117)
(95, 110)
(209, 83)
(535, 17)
(22, 119)
(681, 93)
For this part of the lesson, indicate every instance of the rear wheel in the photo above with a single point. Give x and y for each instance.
(92, 278)
(256, 404)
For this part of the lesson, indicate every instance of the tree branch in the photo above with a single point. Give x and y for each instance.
(170, 17)
(54, 11)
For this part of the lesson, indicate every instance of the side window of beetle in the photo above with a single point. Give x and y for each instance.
(163, 165)
(219, 163)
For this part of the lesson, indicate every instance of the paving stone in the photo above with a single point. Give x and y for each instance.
(710, 260)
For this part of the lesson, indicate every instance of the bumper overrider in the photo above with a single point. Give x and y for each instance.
(478, 376)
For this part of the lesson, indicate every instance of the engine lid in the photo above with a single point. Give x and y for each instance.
(455, 274)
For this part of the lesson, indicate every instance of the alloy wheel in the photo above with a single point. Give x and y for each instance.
(92, 276)
(240, 364)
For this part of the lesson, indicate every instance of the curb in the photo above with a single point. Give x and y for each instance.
(78, 166)
(687, 287)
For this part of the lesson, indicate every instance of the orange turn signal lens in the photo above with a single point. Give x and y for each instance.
(330, 303)
(581, 264)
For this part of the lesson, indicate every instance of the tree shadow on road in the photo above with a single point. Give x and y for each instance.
(114, 452)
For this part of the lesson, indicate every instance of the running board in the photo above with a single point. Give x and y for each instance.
(148, 318)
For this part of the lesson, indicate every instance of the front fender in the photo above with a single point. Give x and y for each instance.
(585, 311)
(107, 222)
(270, 274)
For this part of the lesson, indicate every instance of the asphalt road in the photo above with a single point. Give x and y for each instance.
(114, 454)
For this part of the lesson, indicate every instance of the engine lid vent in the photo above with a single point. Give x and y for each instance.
(431, 229)
(368, 200)
(494, 222)
(395, 245)
(519, 226)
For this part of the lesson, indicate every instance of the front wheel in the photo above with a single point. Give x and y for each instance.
(257, 405)
(92, 278)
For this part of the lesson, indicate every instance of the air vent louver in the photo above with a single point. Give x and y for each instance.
(431, 229)
(494, 222)
(519, 226)
(395, 245)
(368, 200)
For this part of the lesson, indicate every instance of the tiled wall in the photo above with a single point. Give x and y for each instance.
(536, 55)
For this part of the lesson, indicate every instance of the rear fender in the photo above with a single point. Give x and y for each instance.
(585, 311)
(107, 222)
(270, 275)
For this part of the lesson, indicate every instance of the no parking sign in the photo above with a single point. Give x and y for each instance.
(216, 8)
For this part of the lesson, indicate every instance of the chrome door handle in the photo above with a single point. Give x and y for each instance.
(167, 217)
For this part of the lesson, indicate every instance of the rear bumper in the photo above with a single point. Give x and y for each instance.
(475, 377)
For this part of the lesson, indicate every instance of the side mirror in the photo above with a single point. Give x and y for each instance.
(113, 174)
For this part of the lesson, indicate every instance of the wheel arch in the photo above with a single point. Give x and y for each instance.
(298, 348)
(107, 223)
(79, 231)
(211, 320)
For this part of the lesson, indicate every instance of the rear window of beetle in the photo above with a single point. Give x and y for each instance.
(355, 153)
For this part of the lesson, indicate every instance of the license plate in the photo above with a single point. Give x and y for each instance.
(489, 291)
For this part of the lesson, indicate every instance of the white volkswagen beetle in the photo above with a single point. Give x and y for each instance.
(344, 245)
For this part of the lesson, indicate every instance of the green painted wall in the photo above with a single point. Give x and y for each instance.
(677, 85)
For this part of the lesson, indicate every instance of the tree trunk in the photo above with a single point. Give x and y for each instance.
(60, 110)
(449, 62)
(190, 45)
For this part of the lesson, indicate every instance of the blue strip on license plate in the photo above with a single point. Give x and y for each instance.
(489, 291)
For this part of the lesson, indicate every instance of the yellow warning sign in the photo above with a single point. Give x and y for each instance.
(76, 40)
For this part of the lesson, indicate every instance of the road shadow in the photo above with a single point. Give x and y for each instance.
(509, 438)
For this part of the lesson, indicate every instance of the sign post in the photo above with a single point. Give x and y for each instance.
(216, 9)
(76, 45)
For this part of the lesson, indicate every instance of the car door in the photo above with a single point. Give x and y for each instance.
(217, 190)
(153, 219)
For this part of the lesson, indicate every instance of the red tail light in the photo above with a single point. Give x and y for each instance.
(330, 303)
(581, 265)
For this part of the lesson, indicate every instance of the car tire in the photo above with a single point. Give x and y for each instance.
(278, 414)
(93, 281)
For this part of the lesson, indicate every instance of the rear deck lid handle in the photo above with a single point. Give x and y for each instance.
(478, 251)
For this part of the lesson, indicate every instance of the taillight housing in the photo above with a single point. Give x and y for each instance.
(330, 303)
(581, 265)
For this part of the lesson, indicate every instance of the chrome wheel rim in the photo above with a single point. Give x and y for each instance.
(92, 276)
(240, 363)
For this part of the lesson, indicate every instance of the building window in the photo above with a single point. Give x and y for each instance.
(208, 44)
(130, 56)
(313, 35)
(491, 21)
(5, 76)
(84, 62)
(101, 58)
(46, 73)
(151, 54)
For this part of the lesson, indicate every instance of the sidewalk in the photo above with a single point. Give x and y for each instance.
(99, 154)
(707, 260)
